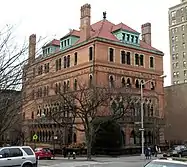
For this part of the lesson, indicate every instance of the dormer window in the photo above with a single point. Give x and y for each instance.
(128, 37)
(136, 39)
(68, 42)
(132, 38)
(65, 43)
(123, 36)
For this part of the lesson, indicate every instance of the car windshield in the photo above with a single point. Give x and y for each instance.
(164, 164)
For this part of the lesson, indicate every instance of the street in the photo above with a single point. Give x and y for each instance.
(132, 161)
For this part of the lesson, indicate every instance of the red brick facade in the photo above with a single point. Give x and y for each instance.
(99, 37)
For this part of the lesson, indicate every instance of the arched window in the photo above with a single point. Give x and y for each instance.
(137, 84)
(68, 85)
(128, 82)
(111, 81)
(64, 86)
(123, 82)
(151, 110)
(90, 80)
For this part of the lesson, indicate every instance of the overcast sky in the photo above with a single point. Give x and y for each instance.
(56, 17)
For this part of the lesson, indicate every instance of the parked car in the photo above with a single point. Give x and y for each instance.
(20, 156)
(166, 163)
(43, 153)
(176, 151)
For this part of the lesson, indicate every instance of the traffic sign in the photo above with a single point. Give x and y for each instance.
(141, 129)
(35, 137)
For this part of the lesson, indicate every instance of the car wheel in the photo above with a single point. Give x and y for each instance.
(49, 158)
(27, 165)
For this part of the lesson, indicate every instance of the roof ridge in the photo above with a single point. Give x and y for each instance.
(100, 28)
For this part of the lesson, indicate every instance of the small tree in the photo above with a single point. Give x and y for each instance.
(87, 105)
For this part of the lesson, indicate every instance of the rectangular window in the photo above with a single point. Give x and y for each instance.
(132, 38)
(184, 54)
(173, 14)
(46, 68)
(128, 37)
(75, 58)
(111, 55)
(182, 18)
(68, 61)
(128, 55)
(176, 47)
(68, 42)
(64, 61)
(184, 63)
(56, 65)
(176, 38)
(184, 45)
(40, 70)
(183, 36)
(136, 39)
(185, 72)
(151, 62)
(59, 64)
(173, 22)
(123, 36)
(141, 60)
(136, 59)
(122, 57)
(173, 56)
(90, 53)
(182, 28)
(177, 56)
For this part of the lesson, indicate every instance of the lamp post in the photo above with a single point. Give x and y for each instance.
(142, 114)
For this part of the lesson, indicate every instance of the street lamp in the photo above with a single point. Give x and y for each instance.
(142, 113)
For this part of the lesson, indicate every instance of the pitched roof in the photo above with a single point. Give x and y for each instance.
(123, 27)
(54, 42)
(73, 33)
(104, 29)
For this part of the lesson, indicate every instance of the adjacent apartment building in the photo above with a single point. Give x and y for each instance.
(111, 54)
(178, 42)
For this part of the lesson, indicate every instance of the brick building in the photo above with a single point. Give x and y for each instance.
(176, 113)
(106, 52)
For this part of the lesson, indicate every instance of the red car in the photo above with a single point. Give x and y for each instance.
(43, 153)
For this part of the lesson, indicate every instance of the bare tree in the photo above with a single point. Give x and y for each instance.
(86, 105)
(12, 61)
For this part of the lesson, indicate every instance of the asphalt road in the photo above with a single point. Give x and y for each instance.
(133, 161)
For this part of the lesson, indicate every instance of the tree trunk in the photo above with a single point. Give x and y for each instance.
(89, 145)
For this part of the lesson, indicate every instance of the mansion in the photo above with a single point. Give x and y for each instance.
(106, 53)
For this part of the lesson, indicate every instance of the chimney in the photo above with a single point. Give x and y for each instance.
(32, 48)
(146, 33)
(85, 22)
